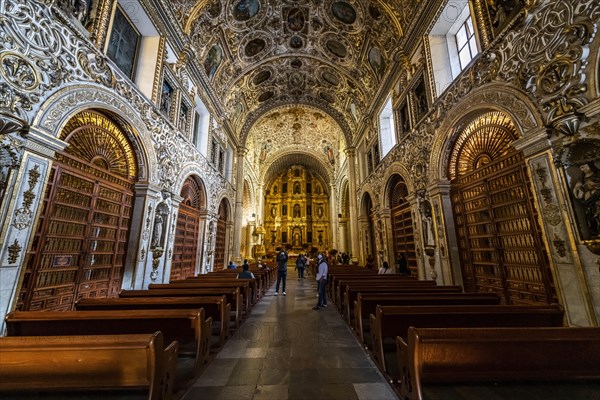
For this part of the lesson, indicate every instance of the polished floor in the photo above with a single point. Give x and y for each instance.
(287, 351)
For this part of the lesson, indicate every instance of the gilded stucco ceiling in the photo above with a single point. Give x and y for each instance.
(259, 55)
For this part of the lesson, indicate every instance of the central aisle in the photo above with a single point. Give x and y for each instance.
(287, 351)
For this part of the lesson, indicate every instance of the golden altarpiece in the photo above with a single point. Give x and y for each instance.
(297, 212)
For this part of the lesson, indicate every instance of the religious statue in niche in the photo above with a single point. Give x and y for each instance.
(329, 152)
(273, 211)
(166, 98)
(421, 98)
(587, 192)
(320, 211)
(263, 152)
(427, 220)
(157, 232)
(297, 188)
(296, 242)
(297, 211)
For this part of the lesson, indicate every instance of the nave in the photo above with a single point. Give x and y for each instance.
(287, 351)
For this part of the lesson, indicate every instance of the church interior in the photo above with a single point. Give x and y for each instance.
(148, 142)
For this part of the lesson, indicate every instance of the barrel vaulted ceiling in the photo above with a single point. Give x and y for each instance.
(260, 55)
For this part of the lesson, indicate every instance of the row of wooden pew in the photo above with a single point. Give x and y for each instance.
(149, 344)
(426, 337)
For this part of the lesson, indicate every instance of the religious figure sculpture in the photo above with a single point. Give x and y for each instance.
(587, 191)
(158, 231)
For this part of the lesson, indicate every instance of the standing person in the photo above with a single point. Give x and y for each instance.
(403, 265)
(300, 265)
(282, 258)
(385, 269)
(245, 274)
(323, 269)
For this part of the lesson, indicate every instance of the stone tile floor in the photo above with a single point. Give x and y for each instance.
(287, 351)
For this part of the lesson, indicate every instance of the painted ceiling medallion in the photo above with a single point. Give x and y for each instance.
(376, 61)
(336, 48)
(344, 12)
(296, 42)
(330, 78)
(213, 60)
(295, 19)
(328, 97)
(244, 10)
(296, 63)
(254, 47)
(265, 96)
(261, 77)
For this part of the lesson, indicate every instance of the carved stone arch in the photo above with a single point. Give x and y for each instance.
(200, 198)
(192, 170)
(363, 212)
(59, 108)
(255, 116)
(249, 202)
(394, 169)
(494, 97)
(317, 162)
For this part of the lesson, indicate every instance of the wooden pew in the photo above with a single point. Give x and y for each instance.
(60, 364)
(259, 274)
(392, 321)
(227, 277)
(333, 280)
(352, 291)
(483, 358)
(366, 303)
(234, 297)
(215, 307)
(188, 327)
(244, 287)
(340, 287)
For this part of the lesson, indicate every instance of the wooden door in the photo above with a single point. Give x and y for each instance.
(402, 225)
(220, 237)
(80, 244)
(185, 249)
(500, 242)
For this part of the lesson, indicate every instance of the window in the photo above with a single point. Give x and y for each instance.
(466, 44)
(166, 99)
(221, 161)
(124, 43)
(452, 43)
(213, 152)
(183, 117)
(387, 129)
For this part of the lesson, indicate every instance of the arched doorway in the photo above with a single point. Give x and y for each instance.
(402, 224)
(500, 242)
(79, 247)
(185, 249)
(221, 235)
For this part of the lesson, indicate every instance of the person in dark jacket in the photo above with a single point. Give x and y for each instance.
(323, 270)
(282, 258)
(245, 274)
(300, 265)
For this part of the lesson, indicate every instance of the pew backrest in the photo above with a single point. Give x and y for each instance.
(501, 354)
(97, 363)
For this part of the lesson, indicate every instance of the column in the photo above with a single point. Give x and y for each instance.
(239, 202)
(354, 233)
(334, 217)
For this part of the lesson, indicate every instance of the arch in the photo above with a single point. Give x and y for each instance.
(394, 170)
(187, 235)
(67, 102)
(492, 97)
(223, 217)
(270, 106)
(82, 234)
(311, 159)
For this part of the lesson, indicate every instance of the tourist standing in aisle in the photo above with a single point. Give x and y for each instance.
(282, 258)
(300, 265)
(322, 269)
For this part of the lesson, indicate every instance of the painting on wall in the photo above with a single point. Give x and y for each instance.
(376, 61)
(244, 10)
(501, 12)
(583, 175)
(213, 60)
